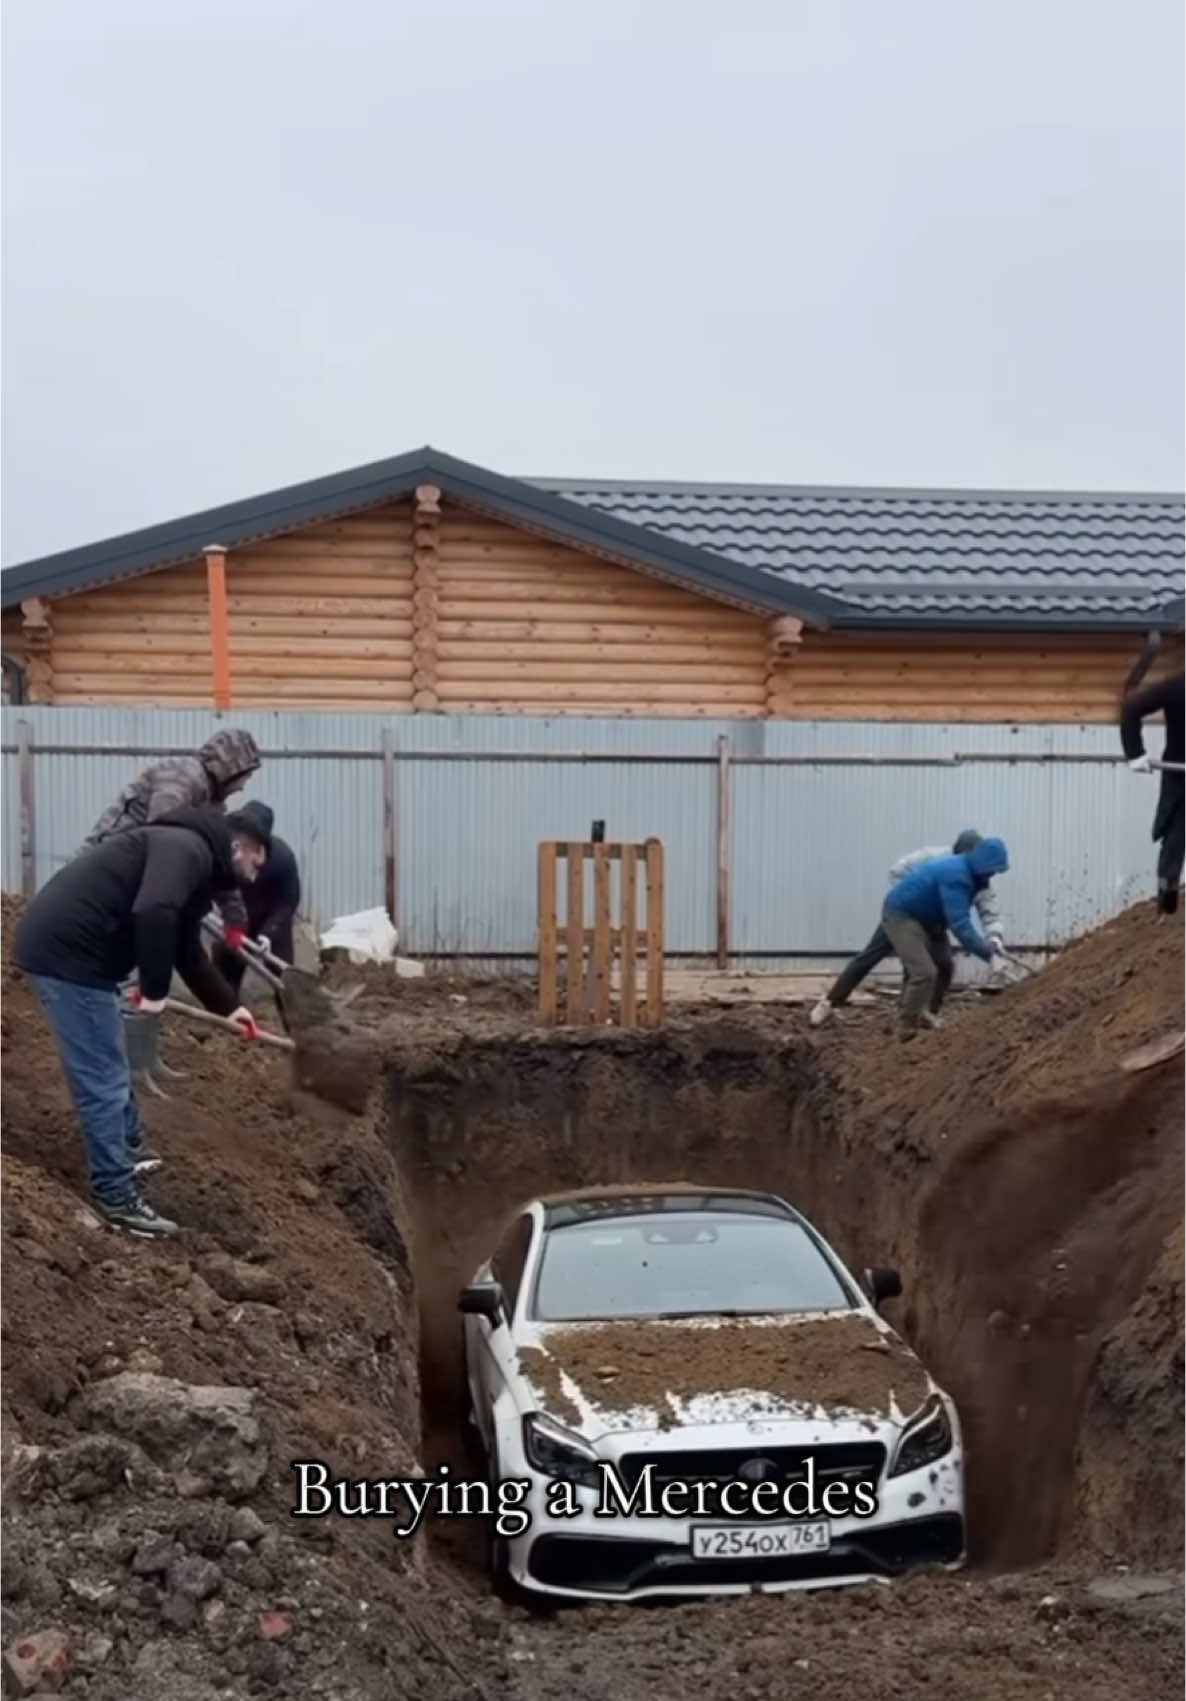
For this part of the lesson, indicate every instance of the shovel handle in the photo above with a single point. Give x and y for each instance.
(260, 958)
(1017, 963)
(251, 954)
(1169, 767)
(199, 1015)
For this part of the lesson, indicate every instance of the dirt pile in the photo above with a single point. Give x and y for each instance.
(155, 1397)
(1048, 1221)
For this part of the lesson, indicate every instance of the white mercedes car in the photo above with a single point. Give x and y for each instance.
(682, 1391)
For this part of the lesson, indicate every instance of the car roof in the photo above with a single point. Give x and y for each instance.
(648, 1198)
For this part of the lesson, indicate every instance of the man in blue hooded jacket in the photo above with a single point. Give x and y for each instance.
(934, 898)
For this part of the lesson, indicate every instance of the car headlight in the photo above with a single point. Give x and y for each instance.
(924, 1440)
(557, 1452)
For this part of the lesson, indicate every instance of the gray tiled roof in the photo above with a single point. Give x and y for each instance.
(1013, 557)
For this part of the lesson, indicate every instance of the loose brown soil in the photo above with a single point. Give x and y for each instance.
(843, 1364)
(543, 1372)
(1029, 1191)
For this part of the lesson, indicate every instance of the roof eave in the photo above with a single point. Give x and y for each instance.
(1100, 626)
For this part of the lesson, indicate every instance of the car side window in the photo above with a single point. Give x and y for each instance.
(510, 1259)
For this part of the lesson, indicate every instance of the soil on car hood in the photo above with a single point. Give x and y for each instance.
(843, 1364)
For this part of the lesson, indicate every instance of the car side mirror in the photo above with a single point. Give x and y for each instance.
(483, 1299)
(882, 1284)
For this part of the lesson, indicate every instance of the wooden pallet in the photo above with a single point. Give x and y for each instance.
(589, 954)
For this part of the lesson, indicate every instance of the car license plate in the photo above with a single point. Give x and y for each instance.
(759, 1541)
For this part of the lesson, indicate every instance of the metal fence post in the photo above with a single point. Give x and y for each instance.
(724, 844)
(24, 742)
(390, 881)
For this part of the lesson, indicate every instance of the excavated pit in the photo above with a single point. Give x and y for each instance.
(1028, 1189)
(1023, 1244)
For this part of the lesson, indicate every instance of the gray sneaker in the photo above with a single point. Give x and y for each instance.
(137, 1216)
(145, 1158)
(821, 1013)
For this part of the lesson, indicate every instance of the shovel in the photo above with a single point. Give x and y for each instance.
(330, 1061)
(301, 999)
(1019, 972)
(142, 1044)
(142, 1039)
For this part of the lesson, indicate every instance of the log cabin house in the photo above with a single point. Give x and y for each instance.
(424, 584)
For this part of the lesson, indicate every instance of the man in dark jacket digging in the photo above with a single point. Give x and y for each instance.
(222, 766)
(133, 902)
(1165, 697)
(272, 901)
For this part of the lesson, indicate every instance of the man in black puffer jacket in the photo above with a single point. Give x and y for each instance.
(133, 902)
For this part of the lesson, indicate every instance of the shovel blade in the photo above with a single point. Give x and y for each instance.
(142, 1041)
(308, 1004)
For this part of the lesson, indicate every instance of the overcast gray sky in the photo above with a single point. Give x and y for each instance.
(249, 242)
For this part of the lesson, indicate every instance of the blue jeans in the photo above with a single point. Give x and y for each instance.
(87, 1026)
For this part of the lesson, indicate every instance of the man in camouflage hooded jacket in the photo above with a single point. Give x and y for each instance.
(223, 765)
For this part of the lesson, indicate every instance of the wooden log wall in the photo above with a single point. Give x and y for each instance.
(1008, 677)
(318, 619)
(426, 605)
(533, 626)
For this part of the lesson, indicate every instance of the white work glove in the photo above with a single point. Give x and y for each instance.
(245, 1022)
(264, 943)
(996, 945)
(1140, 765)
(150, 1006)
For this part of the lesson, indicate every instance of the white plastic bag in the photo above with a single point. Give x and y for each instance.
(367, 937)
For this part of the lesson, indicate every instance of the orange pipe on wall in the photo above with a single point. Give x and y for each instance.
(220, 638)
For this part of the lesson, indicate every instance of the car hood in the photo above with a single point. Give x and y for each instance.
(599, 1378)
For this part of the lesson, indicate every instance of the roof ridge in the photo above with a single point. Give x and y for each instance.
(905, 493)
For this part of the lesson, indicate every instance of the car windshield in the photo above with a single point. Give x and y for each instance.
(683, 1264)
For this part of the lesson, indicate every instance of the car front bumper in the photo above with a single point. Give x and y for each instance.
(623, 1567)
(919, 1522)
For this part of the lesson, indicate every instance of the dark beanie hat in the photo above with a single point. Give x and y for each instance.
(256, 820)
(261, 815)
(967, 841)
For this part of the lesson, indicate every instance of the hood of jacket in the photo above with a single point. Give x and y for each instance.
(988, 857)
(211, 825)
(260, 814)
(229, 755)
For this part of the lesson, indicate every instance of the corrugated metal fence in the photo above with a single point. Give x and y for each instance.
(777, 834)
